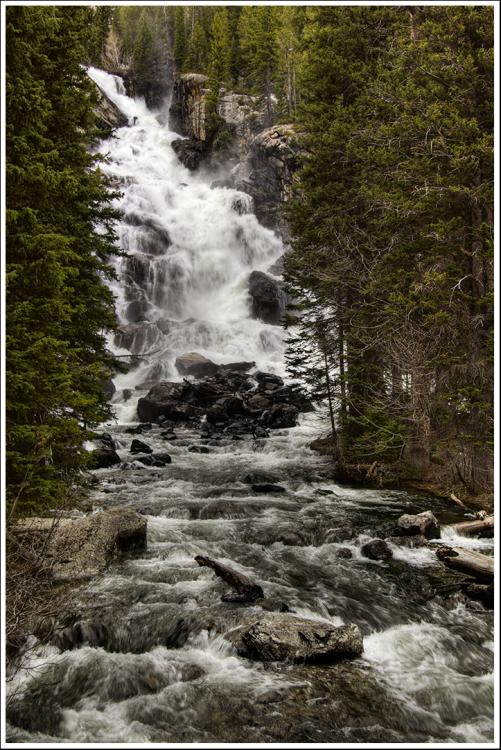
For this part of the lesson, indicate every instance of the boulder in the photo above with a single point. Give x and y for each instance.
(79, 549)
(376, 549)
(104, 457)
(137, 446)
(195, 364)
(198, 449)
(137, 311)
(268, 300)
(422, 523)
(280, 415)
(284, 637)
(238, 366)
(108, 116)
(344, 553)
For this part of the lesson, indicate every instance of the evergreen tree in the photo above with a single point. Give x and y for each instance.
(58, 306)
(219, 64)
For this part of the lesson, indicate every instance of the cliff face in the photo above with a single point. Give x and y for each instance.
(262, 159)
(107, 113)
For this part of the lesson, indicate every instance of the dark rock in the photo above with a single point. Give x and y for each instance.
(268, 300)
(344, 553)
(137, 446)
(284, 637)
(268, 488)
(109, 388)
(137, 337)
(161, 401)
(267, 378)
(105, 457)
(482, 593)
(260, 432)
(108, 116)
(260, 477)
(190, 151)
(280, 416)
(157, 460)
(238, 366)
(198, 449)
(424, 524)
(245, 589)
(291, 539)
(376, 549)
(137, 311)
(195, 364)
(217, 415)
(139, 429)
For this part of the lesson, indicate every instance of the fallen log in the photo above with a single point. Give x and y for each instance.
(484, 527)
(467, 561)
(246, 590)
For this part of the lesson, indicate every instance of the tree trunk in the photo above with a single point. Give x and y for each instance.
(246, 590)
(467, 561)
(470, 528)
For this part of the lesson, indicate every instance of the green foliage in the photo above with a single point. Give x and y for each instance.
(58, 306)
(393, 221)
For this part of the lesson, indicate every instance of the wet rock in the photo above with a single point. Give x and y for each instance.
(412, 542)
(273, 605)
(260, 432)
(137, 446)
(137, 337)
(157, 460)
(139, 429)
(217, 415)
(79, 549)
(104, 457)
(267, 380)
(341, 534)
(376, 549)
(482, 593)
(163, 400)
(284, 637)
(280, 416)
(424, 524)
(137, 311)
(260, 477)
(198, 449)
(108, 116)
(291, 539)
(268, 300)
(268, 488)
(238, 366)
(195, 364)
(344, 553)
(245, 589)
(190, 151)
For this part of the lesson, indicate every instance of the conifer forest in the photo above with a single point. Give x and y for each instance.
(249, 365)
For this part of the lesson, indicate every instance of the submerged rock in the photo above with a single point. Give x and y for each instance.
(424, 524)
(284, 637)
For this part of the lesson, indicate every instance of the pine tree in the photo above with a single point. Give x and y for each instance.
(58, 307)
(219, 64)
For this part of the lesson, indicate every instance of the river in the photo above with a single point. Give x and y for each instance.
(169, 675)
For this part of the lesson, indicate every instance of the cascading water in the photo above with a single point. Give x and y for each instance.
(152, 665)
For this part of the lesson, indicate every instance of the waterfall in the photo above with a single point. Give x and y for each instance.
(190, 247)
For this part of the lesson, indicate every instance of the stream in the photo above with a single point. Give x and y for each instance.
(426, 672)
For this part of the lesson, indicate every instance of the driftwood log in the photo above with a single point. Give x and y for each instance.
(481, 567)
(246, 590)
(483, 527)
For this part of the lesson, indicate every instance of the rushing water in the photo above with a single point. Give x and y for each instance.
(164, 672)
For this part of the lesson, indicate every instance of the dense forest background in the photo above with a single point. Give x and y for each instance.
(391, 258)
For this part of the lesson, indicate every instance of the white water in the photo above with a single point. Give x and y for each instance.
(426, 672)
(200, 281)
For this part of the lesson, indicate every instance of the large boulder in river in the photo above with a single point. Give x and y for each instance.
(195, 364)
(190, 151)
(284, 637)
(104, 457)
(424, 524)
(81, 548)
(268, 300)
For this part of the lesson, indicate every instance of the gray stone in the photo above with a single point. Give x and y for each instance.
(283, 637)
(195, 364)
(423, 523)
(376, 549)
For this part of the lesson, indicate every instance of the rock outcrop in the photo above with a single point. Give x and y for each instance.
(78, 549)
(284, 637)
(107, 113)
